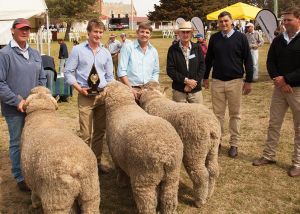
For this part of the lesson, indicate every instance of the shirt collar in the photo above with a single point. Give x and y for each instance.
(228, 34)
(137, 44)
(181, 46)
(86, 44)
(286, 37)
(13, 44)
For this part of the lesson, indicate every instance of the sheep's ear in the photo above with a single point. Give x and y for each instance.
(57, 98)
(165, 90)
(28, 100)
(54, 102)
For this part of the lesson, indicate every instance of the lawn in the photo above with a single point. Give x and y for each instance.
(241, 188)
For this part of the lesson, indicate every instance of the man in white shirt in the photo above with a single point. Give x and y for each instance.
(114, 47)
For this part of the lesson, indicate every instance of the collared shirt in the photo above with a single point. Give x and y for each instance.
(254, 39)
(24, 51)
(139, 67)
(286, 36)
(227, 35)
(114, 46)
(80, 63)
(186, 53)
(125, 42)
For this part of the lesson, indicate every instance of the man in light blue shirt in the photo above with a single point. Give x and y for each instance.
(114, 47)
(78, 67)
(139, 61)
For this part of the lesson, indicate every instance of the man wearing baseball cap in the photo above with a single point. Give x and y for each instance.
(20, 70)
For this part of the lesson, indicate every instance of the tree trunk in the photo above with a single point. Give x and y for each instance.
(68, 30)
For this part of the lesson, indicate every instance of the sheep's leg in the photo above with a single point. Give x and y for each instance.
(213, 168)
(89, 198)
(35, 199)
(194, 164)
(169, 192)
(123, 179)
(58, 197)
(144, 194)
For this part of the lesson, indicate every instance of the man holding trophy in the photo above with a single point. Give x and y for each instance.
(93, 68)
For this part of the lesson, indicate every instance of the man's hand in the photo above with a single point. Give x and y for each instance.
(206, 83)
(191, 83)
(84, 91)
(136, 94)
(187, 89)
(279, 81)
(247, 88)
(21, 105)
(287, 89)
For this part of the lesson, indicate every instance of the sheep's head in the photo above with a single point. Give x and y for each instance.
(40, 90)
(39, 99)
(151, 91)
(118, 94)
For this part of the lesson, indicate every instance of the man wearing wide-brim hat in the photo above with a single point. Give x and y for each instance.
(185, 66)
(114, 47)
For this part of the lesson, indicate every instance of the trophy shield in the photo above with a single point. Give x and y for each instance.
(93, 82)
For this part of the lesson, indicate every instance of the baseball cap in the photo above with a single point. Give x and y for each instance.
(20, 23)
(199, 35)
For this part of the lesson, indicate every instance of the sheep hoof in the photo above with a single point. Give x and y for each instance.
(199, 203)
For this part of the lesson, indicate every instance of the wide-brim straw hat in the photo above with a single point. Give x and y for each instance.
(185, 26)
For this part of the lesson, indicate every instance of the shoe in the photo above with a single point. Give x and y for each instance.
(233, 151)
(23, 186)
(262, 161)
(294, 171)
(103, 169)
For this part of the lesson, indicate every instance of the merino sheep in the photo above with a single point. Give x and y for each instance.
(145, 148)
(58, 166)
(200, 133)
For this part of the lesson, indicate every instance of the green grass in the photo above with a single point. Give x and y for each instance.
(241, 188)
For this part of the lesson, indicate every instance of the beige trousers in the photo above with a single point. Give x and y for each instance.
(182, 97)
(230, 92)
(115, 64)
(279, 105)
(92, 122)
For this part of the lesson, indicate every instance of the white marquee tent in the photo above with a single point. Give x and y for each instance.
(13, 9)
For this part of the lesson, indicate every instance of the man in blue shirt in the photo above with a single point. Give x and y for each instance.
(139, 61)
(91, 108)
(21, 70)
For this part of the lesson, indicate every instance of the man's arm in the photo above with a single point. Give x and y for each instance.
(155, 73)
(171, 68)
(123, 65)
(247, 58)
(71, 66)
(6, 95)
(208, 62)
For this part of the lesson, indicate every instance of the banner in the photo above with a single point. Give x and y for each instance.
(267, 22)
(198, 25)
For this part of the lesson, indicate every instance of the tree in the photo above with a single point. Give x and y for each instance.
(73, 10)
(187, 9)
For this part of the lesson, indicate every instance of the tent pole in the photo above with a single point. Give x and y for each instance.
(48, 39)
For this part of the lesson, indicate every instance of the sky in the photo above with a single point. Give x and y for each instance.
(142, 6)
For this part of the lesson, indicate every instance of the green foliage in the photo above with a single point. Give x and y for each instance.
(187, 9)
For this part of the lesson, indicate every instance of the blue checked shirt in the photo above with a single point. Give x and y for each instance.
(139, 67)
(80, 62)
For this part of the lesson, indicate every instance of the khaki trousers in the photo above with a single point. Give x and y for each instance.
(230, 92)
(182, 97)
(92, 118)
(115, 63)
(279, 106)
